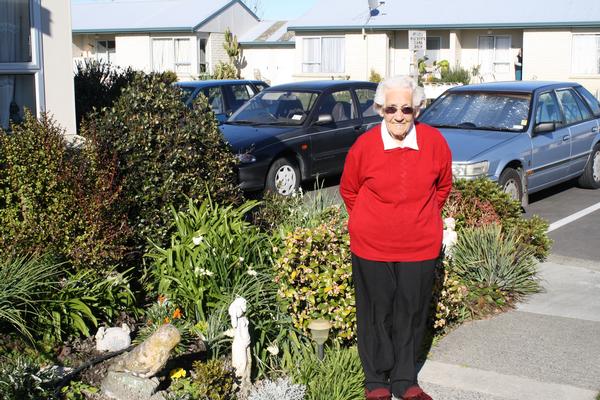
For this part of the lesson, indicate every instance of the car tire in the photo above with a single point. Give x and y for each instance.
(283, 177)
(590, 179)
(510, 182)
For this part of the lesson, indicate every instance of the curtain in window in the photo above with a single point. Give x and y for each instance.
(486, 54)
(14, 45)
(502, 57)
(311, 57)
(332, 55)
(162, 55)
(585, 54)
(182, 56)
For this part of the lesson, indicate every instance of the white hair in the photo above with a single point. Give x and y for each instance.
(398, 82)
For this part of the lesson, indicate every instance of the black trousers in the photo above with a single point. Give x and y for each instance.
(392, 305)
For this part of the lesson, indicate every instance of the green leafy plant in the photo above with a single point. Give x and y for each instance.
(78, 390)
(225, 71)
(313, 271)
(338, 376)
(166, 153)
(489, 258)
(22, 282)
(456, 74)
(375, 76)
(449, 297)
(212, 380)
(22, 378)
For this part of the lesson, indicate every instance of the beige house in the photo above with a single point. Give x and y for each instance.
(35, 61)
(350, 38)
(183, 36)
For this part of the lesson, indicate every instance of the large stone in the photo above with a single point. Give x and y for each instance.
(151, 356)
(124, 386)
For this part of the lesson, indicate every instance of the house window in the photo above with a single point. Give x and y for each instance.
(494, 54)
(585, 55)
(171, 54)
(19, 62)
(432, 49)
(105, 50)
(202, 67)
(323, 54)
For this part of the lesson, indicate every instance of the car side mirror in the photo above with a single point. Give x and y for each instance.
(324, 119)
(544, 127)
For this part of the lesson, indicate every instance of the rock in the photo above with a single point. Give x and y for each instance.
(150, 356)
(124, 386)
(113, 339)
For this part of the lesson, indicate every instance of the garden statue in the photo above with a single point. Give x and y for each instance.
(113, 339)
(131, 375)
(240, 348)
(450, 236)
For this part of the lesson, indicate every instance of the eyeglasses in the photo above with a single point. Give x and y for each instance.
(404, 109)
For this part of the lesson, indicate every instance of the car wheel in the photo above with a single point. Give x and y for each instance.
(283, 177)
(510, 182)
(591, 174)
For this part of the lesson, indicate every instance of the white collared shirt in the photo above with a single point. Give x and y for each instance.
(390, 143)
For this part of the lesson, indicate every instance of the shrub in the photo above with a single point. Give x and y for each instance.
(313, 270)
(21, 378)
(489, 258)
(211, 380)
(449, 297)
(279, 389)
(58, 200)
(338, 376)
(166, 154)
(225, 71)
(457, 74)
(97, 85)
(375, 76)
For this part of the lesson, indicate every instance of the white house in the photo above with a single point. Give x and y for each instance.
(560, 39)
(183, 36)
(35, 61)
(268, 49)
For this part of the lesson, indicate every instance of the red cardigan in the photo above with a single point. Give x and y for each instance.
(394, 197)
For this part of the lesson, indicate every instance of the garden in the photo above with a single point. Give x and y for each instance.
(142, 226)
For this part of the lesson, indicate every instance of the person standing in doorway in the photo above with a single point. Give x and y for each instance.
(519, 65)
(396, 179)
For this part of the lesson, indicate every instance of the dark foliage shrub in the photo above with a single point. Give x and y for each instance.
(166, 154)
(58, 200)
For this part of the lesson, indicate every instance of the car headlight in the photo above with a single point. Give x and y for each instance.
(472, 170)
(245, 158)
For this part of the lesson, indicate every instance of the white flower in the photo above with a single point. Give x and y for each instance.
(273, 349)
(251, 272)
(197, 240)
(202, 272)
(229, 332)
(241, 259)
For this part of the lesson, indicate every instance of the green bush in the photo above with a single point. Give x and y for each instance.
(214, 380)
(457, 74)
(313, 270)
(492, 260)
(58, 200)
(166, 154)
(375, 76)
(97, 85)
(22, 378)
(225, 71)
(480, 202)
(449, 297)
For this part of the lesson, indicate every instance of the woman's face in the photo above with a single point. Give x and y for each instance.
(398, 112)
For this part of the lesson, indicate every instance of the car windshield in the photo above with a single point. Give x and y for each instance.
(275, 107)
(480, 111)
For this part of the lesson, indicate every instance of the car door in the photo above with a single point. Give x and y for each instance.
(582, 126)
(551, 151)
(330, 142)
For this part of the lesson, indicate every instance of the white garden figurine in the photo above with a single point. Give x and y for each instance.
(450, 235)
(113, 339)
(240, 348)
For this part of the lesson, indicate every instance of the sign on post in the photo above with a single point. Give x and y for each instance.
(417, 40)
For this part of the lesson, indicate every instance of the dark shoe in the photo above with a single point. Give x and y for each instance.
(378, 394)
(415, 393)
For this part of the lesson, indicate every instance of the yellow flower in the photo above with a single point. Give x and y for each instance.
(177, 373)
(166, 320)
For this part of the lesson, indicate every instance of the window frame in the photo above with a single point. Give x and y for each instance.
(106, 54)
(494, 48)
(173, 40)
(581, 34)
(319, 60)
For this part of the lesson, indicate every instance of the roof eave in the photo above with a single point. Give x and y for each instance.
(258, 44)
(135, 30)
(585, 24)
(220, 10)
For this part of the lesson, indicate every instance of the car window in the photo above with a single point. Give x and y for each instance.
(547, 109)
(242, 92)
(215, 99)
(339, 105)
(573, 112)
(275, 107)
(479, 110)
(260, 86)
(590, 100)
(365, 102)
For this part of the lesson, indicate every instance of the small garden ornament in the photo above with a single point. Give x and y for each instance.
(240, 348)
(450, 235)
(113, 339)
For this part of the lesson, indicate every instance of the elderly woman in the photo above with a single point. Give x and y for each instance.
(396, 179)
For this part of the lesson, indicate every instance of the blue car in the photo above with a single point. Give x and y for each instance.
(224, 96)
(527, 136)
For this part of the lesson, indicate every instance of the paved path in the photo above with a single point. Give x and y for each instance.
(546, 349)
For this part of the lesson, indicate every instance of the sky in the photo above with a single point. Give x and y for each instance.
(281, 9)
